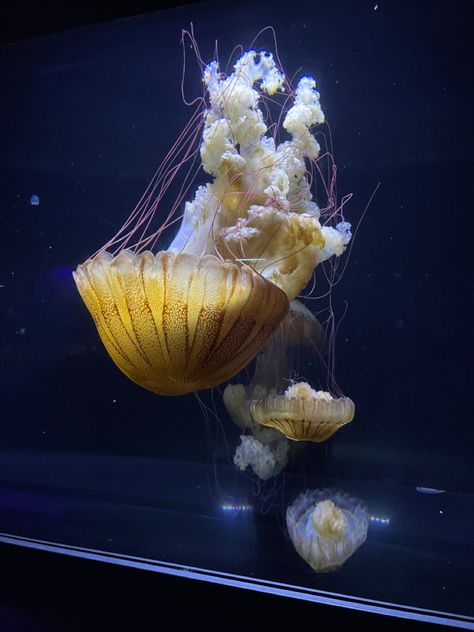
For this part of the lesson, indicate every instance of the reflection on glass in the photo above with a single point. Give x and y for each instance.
(327, 527)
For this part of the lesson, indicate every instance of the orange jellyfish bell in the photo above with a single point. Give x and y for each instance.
(176, 324)
(303, 414)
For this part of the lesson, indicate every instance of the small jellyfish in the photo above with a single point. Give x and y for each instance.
(269, 420)
(303, 414)
(326, 527)
(34, 200)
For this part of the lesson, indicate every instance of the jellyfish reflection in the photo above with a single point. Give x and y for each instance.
(326, 527)
(192, 316)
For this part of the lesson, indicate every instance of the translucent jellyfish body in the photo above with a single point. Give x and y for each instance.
(303, 414)
(326, 527)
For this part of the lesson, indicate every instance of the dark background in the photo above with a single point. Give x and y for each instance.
(87, 115)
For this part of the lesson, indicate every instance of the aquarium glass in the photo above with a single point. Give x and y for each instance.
(340, 470)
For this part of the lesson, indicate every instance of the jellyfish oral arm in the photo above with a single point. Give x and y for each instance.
(259, 206)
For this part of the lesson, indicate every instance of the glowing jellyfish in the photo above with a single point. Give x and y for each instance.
(303, 414)
(326, 527)
(192, 316)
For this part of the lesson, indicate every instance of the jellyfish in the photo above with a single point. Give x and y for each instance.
(174, 323)
(265, 447)
(326, 527)
(303, 414)
(286, 401)
(191, 316)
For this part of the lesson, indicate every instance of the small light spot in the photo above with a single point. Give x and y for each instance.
(376, 6)
(34, 200)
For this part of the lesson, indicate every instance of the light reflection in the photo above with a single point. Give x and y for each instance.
(379, 520)
(237, 508)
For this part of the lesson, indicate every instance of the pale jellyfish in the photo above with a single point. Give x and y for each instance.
(326, 527)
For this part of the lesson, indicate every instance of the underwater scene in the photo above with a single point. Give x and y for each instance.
(234, 250)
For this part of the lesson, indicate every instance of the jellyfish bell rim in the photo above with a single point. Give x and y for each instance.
(176, 323)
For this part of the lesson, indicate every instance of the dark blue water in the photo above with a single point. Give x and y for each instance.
(86, 116)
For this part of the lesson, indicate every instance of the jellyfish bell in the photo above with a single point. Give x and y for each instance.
(326, 527)
(303, 414)
(297, 411)
(176, 324)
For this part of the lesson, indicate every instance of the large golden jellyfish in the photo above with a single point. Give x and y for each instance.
(192, 316)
